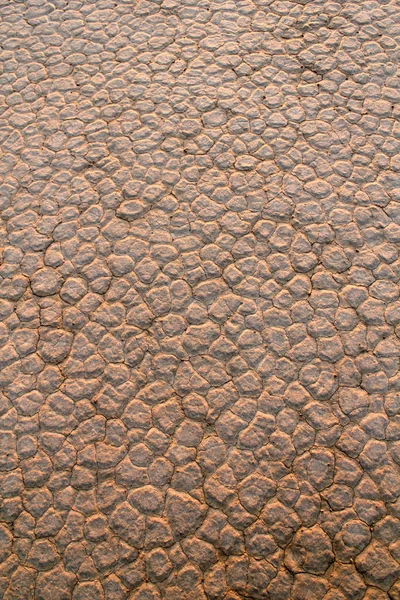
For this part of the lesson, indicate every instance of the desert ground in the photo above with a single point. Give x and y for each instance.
(199, 300)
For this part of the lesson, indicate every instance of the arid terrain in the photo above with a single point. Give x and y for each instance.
(199, 300)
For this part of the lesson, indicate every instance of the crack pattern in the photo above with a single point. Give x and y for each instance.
(199, 300)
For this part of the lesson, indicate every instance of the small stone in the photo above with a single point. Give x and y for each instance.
(353, 401)
(57, 581)
(158, 565)
(43, 555)
(55, 345)
(378, 566)
(310, 551)
(146, 592)
(147, 499)
(88, 590)
(46, 282)
(128, 524)
(185, 514)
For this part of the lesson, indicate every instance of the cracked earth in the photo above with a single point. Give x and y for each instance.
(199, 300)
